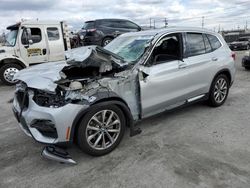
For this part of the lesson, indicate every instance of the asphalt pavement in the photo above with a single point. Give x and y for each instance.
(194, 147)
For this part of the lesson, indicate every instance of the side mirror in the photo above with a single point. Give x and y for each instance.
(30, 41)
(139, 28)
(143, 73)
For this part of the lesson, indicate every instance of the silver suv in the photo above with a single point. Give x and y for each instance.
(92, 96)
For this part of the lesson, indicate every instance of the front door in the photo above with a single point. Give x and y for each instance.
(37, 51)
(162, 81)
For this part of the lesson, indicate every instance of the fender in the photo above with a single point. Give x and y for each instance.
(100, 102)
(225, 71)
(5, 58)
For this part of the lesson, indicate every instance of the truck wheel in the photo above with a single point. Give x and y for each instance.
(101, 129)
(7, 73)
(219, 91)
(106, 40)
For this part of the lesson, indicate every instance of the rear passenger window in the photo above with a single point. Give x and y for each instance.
(107, 23)
(207, 44)
(214, 41)
(128, 25)
(53, 33)
(195, 44)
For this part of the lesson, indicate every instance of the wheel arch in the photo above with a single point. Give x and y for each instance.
(102, 102)
(17, 61)
(225, 72)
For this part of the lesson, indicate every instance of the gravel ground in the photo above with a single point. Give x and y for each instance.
(196, 146)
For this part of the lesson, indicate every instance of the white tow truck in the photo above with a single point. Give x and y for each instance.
(32, 42)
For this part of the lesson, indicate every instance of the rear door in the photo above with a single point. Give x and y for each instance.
(55, 43)
(198, 63)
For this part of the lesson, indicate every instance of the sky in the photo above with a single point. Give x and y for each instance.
(217, 14)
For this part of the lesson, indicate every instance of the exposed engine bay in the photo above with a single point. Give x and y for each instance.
(88, 75)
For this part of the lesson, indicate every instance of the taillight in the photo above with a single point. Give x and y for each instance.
(233, 56)
(91, 30)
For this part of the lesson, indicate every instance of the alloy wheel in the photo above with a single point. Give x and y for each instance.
(220, 90)
(103, 129)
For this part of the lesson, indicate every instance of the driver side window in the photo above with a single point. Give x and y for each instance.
(167, 49)
(36, 36)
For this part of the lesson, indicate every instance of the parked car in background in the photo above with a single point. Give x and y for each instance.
(242, 44)
(246, 61)
(102, 31)
(93, 96)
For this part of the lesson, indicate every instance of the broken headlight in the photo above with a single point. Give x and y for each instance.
(52, 100)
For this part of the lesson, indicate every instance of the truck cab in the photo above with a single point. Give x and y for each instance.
(32, 42)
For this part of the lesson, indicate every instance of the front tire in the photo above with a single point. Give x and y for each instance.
(219, 91)
(7, 73)
(101, 129)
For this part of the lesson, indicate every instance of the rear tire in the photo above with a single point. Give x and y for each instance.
(106, 40)
(247, 68)
(7, 72)
(101, 129)
(219, 91)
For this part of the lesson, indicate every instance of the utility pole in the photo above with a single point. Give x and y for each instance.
(150, 22)
(166, 22)
(246, 25)
(202, 22)
(154, 23)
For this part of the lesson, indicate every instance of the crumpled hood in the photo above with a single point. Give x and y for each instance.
(44, 76)
(83, 55)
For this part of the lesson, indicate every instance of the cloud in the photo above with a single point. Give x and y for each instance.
(178, 12)
(34, 5)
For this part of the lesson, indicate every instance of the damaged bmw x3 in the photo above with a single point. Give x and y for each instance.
(92, 96)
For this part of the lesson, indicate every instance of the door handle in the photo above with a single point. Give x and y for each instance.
(182, 65)
(214, 59)
(44, 51)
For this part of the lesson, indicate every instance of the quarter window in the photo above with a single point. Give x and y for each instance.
(214, 41)
(53, 33)
(195, 44)
(207, 44)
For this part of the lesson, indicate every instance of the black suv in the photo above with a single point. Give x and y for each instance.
(243, 43)
(102, 31)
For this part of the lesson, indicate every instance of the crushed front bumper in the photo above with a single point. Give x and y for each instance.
(44, 124)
